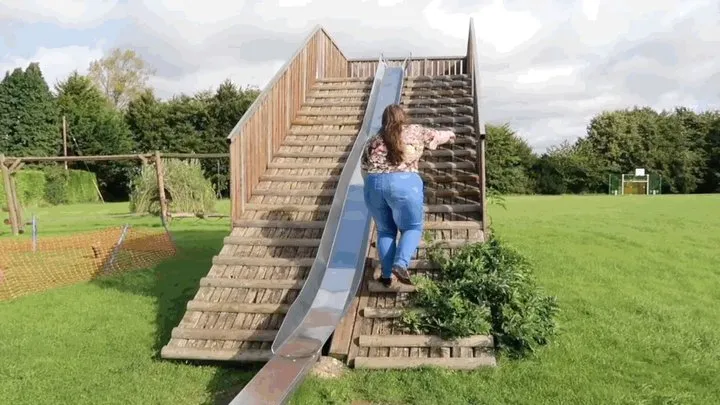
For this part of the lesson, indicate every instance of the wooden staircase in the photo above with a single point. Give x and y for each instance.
(453, 216)
(258, 273)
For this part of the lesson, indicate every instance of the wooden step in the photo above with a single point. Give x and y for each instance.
(355, 112)
(294, 242)
(453, 225)
(311, 154)
(318, 142)
(237, 307)
(322, 132)
(357, 95)
(306, 165)
(355, 103)
(326, 121)
(439, 110)
(436, 178)
(443, 78)
(262, 261)
(345, 79)
(439, 120)
(276, 223)
(437, 84)
(251, 283)
(453, 93)
(437, 101)
(485, 341)
(278, 192)
(414, 264)
(216, 354)
(455, 363)
(381, 313)
(344, 86)
(375, 286)
(439, 208)
(248, 335)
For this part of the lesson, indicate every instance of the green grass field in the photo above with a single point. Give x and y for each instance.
(637, 278)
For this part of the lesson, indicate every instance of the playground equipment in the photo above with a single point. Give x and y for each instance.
(300, 247)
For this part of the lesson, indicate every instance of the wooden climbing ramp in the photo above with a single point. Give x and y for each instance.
(287, 153)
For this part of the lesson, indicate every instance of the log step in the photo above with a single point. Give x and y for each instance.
(276, 223)
(192, 353)
(328, 112)
(339, 165)
(453, 93)
(440, 208)
(249, 335)
(322, 132)
(440, 120)
(382, 313)
(237, 307)
(375, 286)
(296, 242)
(437, 84)
(345, 80)
(455, 363)
(424, 341)
(326, 121)
(251, 283)
(262, 261)
(360, 95)
(344, 86)
(354, 103)
(414, 264)
(295, 192)
(437, 101)
(341, 155)
(317, 142)
(428, 78)
(437, 178)
(411, 111)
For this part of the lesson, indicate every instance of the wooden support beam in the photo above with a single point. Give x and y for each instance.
(161, 187)
(12, 216)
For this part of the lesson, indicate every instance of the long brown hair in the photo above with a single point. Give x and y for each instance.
(393, 119)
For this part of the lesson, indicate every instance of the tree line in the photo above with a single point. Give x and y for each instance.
(681, 145)
(113, 110)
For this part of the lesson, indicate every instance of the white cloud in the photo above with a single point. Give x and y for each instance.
(65, 12)
(57, 63)
(547, 66)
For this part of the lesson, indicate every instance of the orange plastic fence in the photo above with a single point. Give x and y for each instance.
(27, 267)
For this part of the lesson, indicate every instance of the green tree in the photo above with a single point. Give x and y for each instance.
(122, 76)
(95, 128)
(28, 114)
(509, 160)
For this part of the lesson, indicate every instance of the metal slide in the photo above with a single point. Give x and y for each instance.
(337, 270)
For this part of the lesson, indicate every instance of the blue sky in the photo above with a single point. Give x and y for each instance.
(547, 66)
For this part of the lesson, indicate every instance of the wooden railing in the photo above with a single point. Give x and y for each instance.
(431, 66)
(473, 63)
(260, 132)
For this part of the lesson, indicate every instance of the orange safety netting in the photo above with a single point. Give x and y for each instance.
(28, 266)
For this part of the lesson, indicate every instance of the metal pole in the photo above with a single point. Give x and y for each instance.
(34, 233)
(114, 253)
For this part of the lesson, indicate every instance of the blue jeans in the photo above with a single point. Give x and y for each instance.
(395, 201)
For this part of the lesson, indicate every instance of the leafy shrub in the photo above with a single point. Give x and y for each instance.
(486, 288)
(69, 186)
(30, 185)
(186, 188)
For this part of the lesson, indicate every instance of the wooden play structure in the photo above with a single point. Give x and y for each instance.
(286, 155)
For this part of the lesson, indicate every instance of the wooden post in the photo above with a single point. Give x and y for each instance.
(9, 196)
(64, 130)
(16, 203)
(161, 186)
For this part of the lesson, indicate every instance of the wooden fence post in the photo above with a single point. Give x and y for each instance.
(161, 186)
(9, 196)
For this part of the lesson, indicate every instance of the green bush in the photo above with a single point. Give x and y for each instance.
(30, 185)
(69, 186)
(186, 188)
(485, 288)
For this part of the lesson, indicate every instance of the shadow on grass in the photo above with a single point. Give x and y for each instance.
(172, 284)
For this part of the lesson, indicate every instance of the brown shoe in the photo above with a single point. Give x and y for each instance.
(402, 274)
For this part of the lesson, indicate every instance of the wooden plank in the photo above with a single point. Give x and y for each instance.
(317, 142)
(312, 154)
(436, 101)
(438, 120)
(455, 363)
(375, 287)
(224, 334)
(442, 208)
(310, 165)
(353, 103)
(313, 192)
(453, 225)
(251, 283)
(424, 341)
(342, 336)
(262, 261)
(191, 353)
(300, 131)
(414, 264)
(296, 178)
(237, 307)
(440, 110)
(277, 223)
(294, 242)
(331, 121)
(382, 313)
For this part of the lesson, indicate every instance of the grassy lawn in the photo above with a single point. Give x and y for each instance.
(637, 279)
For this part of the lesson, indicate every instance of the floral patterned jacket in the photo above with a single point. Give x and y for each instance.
(415, 137)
